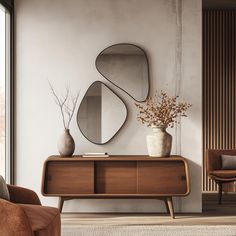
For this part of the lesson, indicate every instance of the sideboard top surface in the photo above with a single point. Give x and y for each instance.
(116, 158)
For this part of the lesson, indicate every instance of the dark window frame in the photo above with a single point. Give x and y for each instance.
(9, 5)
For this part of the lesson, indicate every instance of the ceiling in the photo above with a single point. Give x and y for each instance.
(219, 4)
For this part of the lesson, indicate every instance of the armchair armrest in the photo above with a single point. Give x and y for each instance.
(13, 220)
(213, 160)
(23, 195)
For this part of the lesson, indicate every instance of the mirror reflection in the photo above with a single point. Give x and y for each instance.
(101, 113)
(126, 66)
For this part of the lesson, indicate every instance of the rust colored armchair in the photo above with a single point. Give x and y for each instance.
(24, 215)
(215, 171)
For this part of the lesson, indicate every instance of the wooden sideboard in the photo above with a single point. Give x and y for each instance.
(116, 177)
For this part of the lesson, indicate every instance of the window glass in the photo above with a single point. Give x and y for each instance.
(5, 98)
(2, 91)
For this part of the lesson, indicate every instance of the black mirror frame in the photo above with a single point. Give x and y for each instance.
(116, 84)
(115, 95)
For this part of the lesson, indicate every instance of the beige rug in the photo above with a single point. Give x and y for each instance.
(148, 230)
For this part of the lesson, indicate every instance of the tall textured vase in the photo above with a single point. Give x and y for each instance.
(66, 144)
(159, 143)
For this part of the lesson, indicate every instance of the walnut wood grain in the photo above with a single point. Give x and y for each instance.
(69, 178)
(161, 177)
(116, 177)
(219, 85)
(115, 158)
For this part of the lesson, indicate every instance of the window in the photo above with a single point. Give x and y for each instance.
(5, 94)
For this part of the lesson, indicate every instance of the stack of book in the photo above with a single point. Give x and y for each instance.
(95, 154)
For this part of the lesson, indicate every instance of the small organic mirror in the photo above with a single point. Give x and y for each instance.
(126, 66)
(101, 113)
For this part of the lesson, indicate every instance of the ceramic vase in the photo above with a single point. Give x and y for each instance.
(66, 144)
(159, 142)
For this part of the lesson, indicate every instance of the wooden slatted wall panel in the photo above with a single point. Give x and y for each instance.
(219, 85)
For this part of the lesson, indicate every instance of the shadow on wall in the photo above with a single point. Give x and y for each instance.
(192, 201)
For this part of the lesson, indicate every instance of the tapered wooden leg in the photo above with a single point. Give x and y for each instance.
(167, 208)
(220, 193)
(60, 203)
(170, 206)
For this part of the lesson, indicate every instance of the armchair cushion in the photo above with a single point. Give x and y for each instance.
(223, 173)
(4, 193)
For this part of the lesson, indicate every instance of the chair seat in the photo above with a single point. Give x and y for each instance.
(44, 220)
(223, 173)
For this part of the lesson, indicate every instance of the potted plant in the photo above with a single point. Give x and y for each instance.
(160, 112)
(67, 105)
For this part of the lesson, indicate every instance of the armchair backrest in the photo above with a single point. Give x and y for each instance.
(23, 195)
(214, 158)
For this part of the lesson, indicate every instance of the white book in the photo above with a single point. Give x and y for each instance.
(91, 155)
(95, 153)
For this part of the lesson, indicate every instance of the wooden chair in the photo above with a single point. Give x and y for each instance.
(215, 171)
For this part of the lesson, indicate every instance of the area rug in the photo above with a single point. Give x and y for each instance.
(148, 230)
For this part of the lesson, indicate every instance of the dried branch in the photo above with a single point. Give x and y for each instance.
(71, 111)
(161, 110)
(64, 105)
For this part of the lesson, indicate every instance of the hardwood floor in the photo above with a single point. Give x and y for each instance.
(213, 214)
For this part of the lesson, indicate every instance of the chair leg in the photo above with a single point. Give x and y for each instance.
(220, 193)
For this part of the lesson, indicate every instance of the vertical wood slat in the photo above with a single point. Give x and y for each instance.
(219, 86)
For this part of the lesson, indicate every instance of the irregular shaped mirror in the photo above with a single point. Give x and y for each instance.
(101, 113)
(126, 66)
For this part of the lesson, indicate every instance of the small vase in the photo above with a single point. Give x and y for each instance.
(159, 143)
(66, 144)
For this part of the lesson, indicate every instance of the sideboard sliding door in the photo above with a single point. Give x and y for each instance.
(168, 177)
(115, 177)
(70, 177)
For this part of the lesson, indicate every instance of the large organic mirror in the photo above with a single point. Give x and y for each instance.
(126, 66)
(101, 113)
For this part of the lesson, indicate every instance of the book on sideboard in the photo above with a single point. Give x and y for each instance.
(95, 154)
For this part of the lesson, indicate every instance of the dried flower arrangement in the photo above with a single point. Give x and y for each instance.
(67, 105)
(161, 110)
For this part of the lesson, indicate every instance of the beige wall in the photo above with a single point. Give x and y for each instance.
(59, 40)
